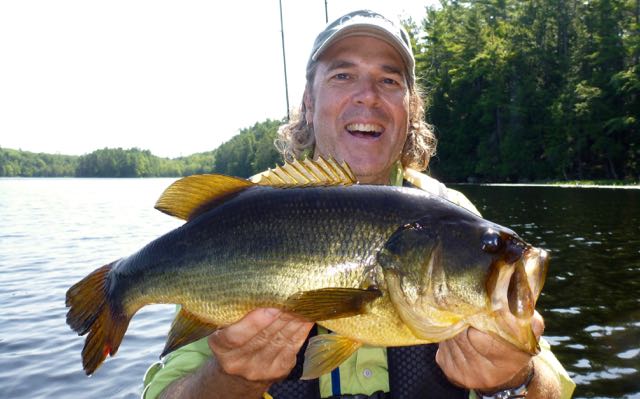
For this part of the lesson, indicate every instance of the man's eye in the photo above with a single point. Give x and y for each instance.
(341, 76)
(390, 81)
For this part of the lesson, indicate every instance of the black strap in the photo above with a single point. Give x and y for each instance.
(414, 374)
(375, 395)
(293, 387)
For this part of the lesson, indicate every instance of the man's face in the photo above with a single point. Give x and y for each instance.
(359, 105)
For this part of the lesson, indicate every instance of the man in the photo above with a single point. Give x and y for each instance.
(361, 105)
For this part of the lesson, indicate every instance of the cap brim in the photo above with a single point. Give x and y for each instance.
(371, 31)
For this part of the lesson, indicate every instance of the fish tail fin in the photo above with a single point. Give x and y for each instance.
(90, 311)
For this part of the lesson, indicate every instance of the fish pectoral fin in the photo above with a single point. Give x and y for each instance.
(325, 352)
(185, 329)
(331, 303)
(193, 195)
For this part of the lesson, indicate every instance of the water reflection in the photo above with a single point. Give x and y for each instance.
(591, 301)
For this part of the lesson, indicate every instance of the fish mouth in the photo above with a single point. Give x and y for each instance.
(514, 289)
(526, 281)
(365, 130)
(516, 285)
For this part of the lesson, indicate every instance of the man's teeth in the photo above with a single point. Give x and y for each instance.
(364, 127)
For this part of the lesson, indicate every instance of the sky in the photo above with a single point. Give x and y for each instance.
(172, 77)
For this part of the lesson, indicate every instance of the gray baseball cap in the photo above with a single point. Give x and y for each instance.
(367, 23)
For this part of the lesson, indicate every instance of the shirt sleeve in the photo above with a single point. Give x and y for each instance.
(567, 385)
(178, 364)
(459, 199)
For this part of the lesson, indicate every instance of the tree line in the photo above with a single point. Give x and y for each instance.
(247, 153)
(518, 90)
(532, 89)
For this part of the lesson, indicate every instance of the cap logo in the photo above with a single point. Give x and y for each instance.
(348, 17)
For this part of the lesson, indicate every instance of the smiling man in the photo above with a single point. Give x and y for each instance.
(358, 106)
(361, 105)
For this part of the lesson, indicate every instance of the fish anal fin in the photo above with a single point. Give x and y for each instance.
(307, 173)
(331, 303)
(185, 329)
(325, 352)
(190, 196)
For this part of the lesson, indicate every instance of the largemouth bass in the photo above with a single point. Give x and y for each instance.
(377, 265)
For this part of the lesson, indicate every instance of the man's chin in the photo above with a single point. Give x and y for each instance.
(370, 174)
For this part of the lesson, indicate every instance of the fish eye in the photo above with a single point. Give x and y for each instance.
(491, 241)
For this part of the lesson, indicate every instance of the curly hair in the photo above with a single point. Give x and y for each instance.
(297, 138)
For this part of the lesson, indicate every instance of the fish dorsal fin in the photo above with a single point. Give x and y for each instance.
(191, 195)
(188, 197)
(307, 173)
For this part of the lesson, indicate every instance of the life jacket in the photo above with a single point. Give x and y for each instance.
(413, 374)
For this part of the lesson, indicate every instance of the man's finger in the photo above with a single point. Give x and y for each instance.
(243, 331)
(286, 332)
(292, 333)
(283, 345)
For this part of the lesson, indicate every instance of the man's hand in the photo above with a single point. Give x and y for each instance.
(249, 356)
(262, 346)
(477, 360)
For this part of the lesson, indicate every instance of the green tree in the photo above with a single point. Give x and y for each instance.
(249, 152)
(532, 89)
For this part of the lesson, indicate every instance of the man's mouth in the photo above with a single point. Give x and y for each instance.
(365, 130)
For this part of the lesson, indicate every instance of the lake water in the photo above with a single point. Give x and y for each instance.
(55, 231)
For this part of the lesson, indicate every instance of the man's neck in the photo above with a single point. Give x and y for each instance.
(373, 180)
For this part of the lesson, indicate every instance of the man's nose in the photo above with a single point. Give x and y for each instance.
(367, 93)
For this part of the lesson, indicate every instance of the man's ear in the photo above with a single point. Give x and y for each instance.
(308, 108)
